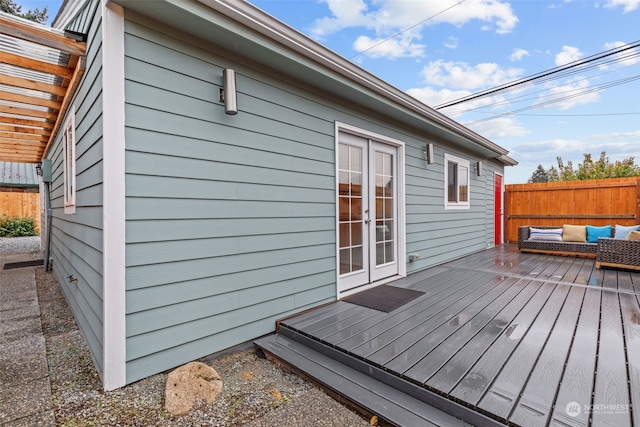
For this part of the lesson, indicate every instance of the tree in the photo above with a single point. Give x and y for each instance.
(36, 15)
(588, 169)
(539, 175)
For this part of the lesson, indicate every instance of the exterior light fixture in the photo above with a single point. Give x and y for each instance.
(228, 92)
(479, 169)
(428, 153)
(39, 169)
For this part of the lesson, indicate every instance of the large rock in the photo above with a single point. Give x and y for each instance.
(190, 384)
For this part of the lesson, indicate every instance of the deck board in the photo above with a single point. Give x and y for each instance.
(402, 335)
(529, 339)
(577, 381)
(499, 342)
(611, 374)
(359, 332)
(630, 305)
(450, 360)
(427, 354)
(536, 400)
(410, 339)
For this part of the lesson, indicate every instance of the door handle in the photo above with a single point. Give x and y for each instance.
(367, 221)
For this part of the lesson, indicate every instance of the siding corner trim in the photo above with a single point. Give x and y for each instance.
(113, 213)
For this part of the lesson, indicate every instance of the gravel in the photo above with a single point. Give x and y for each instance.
(256, 392)
(20, 244)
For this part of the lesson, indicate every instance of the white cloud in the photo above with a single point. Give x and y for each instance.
(574, 149)
(433, 97)
(347, 13)
(389, 17)
(460, 75)
(570, 94)
(451, 43)
(627, 5)
(393, 48)
(518, 54)
(568, 54)
(503, 127)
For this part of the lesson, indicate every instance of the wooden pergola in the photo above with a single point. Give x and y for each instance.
(40, 69)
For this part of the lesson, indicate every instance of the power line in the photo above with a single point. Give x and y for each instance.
(564, 98)
(531, 95)
(406, 29)
(580, 115)
(570, 66)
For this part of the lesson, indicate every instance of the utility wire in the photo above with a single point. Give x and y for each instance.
(407, 29)
(526, 96)
(538, 76)
(563, 98)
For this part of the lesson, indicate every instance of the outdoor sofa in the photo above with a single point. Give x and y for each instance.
(608, 251)
(620, 253)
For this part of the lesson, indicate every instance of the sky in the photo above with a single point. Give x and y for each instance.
(442, 50)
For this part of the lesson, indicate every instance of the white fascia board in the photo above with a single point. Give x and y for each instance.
(276, 30)
(113, 216)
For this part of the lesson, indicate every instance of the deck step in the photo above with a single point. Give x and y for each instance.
(374, 396)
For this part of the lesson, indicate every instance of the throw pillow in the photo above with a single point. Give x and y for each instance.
(545, 234)
(574, 233)
(594, 232)
(622, 231)
(633, 235)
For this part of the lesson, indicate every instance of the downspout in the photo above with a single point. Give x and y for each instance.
(46, 178)
(47, 247)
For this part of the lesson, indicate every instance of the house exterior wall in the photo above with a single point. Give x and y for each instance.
(230, 220)
(76, 239)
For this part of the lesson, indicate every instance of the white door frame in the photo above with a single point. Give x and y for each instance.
(342, 290)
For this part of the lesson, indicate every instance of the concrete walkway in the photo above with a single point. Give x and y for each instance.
(25, 391)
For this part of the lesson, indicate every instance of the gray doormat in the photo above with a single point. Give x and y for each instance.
(384, 297)
(34, 263)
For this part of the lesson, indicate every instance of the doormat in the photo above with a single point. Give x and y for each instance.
(34, 263)
(384, 297)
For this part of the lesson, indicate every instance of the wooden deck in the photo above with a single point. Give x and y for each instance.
(521, 339)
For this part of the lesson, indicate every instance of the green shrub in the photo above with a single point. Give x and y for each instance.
(17, 227)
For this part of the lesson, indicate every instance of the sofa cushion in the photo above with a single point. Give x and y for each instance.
(622, 231)
(545, 234)
(574, 233)
(633, 235)
(594, 232)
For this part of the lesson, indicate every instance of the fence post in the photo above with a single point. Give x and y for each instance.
(638, 201)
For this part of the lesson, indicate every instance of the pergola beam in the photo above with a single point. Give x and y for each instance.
(41, 36)
(32, 85)
(26, 123)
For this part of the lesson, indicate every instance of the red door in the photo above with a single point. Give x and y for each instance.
(497, 216)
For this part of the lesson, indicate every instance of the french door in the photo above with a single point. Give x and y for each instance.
(367, 211)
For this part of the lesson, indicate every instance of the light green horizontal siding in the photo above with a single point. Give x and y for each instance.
(76, 240)
(231, 219)
(236, 214)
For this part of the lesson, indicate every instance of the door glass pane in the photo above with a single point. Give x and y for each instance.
(350, 208)
(384, 208)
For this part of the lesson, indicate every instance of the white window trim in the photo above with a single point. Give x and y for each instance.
(462, 162)
(69, 170)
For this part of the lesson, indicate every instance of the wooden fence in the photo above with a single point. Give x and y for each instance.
(592, 202)
(20, 203)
